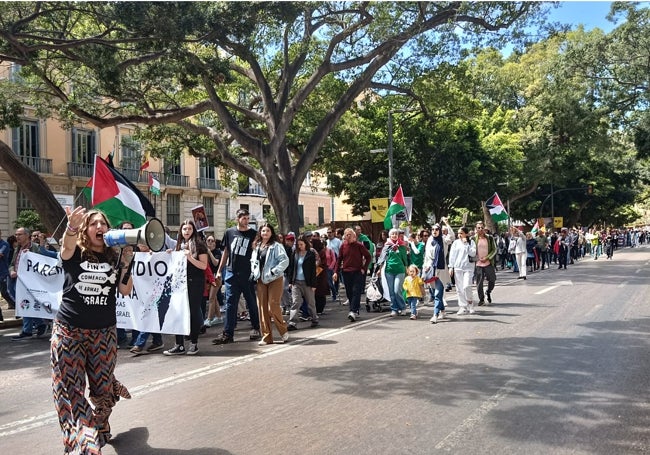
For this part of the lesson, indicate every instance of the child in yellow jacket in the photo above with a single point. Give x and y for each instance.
(414, 287)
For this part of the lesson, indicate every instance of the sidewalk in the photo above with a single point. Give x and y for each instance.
(9, 317)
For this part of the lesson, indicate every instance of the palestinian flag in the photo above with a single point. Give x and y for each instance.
(535, 228)
(115, 195)
(395, 207)
(496, 208)
(154, 185)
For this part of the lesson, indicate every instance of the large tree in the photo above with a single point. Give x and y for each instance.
(248, 85)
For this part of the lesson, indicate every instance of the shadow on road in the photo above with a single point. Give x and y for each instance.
(134, 442)
(562, 392)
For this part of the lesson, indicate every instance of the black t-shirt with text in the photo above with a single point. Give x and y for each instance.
(89, 292)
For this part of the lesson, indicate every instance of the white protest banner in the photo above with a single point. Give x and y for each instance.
(157, 304)
(39, 286)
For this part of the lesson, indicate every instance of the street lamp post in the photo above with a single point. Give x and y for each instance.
(389, 150)
(390, 169)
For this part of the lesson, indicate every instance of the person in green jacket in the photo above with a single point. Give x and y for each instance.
(393, 262)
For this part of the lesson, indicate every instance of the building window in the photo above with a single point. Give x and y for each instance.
(301, 215)
(321, 216)
(173, 209)
(83, 146)
(266, 209)
(207, 169)
(25, 140)
(22, 202)
(208, 205)
(131, 153)
(244, 207)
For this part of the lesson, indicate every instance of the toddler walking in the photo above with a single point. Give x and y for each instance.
(414, 287)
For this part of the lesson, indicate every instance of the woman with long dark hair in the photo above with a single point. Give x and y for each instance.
(196, 253)
(268, 263)
(303, 281)
(84, 337)
(462, 267)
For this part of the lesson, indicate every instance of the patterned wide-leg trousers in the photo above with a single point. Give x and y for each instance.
(77, 354)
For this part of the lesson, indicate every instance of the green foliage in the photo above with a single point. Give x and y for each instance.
(29, 219)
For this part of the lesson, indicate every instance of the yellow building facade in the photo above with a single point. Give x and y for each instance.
(64, 159)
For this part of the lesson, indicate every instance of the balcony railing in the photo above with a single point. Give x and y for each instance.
(176, 180)
(208, 184)
(80, 170)
(255, 190)
(40, 165)
(135, 175)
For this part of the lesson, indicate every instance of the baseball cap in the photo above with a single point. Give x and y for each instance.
(290, 236)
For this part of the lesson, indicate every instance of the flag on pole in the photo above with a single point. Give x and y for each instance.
(535, 228)
(154, 185)
(145, 162)
(397, 205)
(496, 208)
(113, 194)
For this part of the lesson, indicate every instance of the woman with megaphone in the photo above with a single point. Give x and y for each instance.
(84, 337)
(196, 253)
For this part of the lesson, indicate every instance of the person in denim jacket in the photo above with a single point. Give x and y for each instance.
(269, 260)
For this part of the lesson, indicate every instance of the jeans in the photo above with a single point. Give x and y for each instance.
(354, 283)
(334, 287)
(236, 285)
(437, 292)
(143, 336)
(413, 303)
(395, 283)
(30, 323)
(11, 288)
(481, 274)
(5, 292)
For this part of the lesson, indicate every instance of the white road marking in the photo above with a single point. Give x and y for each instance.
(459, 434)
(544, 291)
(622, 284)
(49, 418)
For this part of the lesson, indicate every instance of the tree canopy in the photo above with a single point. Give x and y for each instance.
(274, 90)
(256, 86)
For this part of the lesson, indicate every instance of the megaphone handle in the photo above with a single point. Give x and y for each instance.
(127, 274)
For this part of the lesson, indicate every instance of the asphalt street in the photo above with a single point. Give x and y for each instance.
(558, 364)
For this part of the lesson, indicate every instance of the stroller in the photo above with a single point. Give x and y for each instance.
(375, 295)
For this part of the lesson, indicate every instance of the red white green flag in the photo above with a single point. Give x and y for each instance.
(496, 208)
(397, 205)
(116, 196)
(154, 185)
(535, 228)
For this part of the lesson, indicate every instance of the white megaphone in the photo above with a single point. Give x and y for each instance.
(151, 234)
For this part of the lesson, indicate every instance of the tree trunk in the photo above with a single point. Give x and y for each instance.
(33, 185)
(285, 204)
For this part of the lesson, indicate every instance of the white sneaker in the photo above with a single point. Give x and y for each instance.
(352, 316)
(462, 311)
(193, 349)
(262, 343)
(441, 315)
(207, 323)
(393, 314)
(347, 302)
(472, 311)
(285, 337)
(433, 319)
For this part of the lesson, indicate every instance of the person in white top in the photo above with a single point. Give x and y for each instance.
(462, 268)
